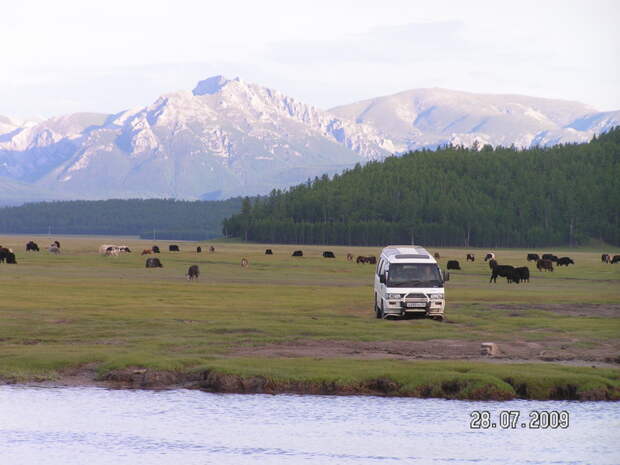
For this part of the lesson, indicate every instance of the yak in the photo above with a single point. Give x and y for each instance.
(193, 272)
(32, 247)
(565, 261)
(153, 263)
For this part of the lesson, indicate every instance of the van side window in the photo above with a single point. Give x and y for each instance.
(379, 266)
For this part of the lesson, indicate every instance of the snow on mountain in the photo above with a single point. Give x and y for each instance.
(431, 117)
(30, 151)
(9, 126)
(228, 137)
(597, 122)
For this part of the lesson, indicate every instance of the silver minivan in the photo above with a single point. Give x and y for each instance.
(408, 281)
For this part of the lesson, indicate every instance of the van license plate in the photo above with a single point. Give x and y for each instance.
(416, 305)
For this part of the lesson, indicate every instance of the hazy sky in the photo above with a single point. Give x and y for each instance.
(63, 56)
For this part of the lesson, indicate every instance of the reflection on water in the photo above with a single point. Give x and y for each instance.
(98, 426)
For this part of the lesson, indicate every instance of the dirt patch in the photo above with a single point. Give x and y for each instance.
(437, 349)
(582, 310)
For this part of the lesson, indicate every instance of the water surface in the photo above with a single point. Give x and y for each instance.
(99, 426)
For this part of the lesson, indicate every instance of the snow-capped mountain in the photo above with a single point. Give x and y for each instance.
(229, 137)
(427, 118)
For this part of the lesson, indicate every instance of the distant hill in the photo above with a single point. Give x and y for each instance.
(455, 196)
(428, 118)
(169, 219)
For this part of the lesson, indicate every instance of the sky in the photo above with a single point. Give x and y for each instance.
(65, 56)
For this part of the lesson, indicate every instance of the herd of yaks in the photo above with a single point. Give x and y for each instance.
(522, 274)
(512, 274)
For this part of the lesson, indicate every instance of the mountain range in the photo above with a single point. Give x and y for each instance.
(228, 137)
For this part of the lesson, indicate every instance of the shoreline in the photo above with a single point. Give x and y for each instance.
(217, 381)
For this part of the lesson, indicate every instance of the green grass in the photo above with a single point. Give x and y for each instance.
(79, 308)
(448, 379)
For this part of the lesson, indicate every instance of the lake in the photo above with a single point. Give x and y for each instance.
(88, 425)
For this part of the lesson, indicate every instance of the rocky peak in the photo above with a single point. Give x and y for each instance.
(212, 85)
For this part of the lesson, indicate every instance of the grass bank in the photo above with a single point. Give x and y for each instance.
(303, 325)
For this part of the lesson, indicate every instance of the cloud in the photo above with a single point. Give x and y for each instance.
(394, 44)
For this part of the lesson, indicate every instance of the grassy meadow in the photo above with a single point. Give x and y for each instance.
(307, 321)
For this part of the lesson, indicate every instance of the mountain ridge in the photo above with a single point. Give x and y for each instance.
(228, 137)
(431, 117)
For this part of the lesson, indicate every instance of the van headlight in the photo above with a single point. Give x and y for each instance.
(394, 296)
(436, 296)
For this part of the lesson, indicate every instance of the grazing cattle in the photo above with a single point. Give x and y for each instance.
(453, 265)
(328, 254)
(53, 249)
(489, 256)
(193, 272)
(110, 250)
(550, 256)
(524, 273)
(492, 263)
(532, 257)
(146, 252)
(153, 263)
(616, 259)
(104, 248)
(198, 249)
(471, 257)
(437, 256)
(565, 261)
(244, 262)
(268, 252)
(56, 244)
(513, 276)
(505, 271)
(605, 258)
(32, 247)
(211, 248)
(349, 257)
(297, 253)
(3, 254)
(173, 248)
(544, 264)
(10, 258)
(155, 249)
(370, 259)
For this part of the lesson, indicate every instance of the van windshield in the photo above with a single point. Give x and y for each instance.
(414, 275)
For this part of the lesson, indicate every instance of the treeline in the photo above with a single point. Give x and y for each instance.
(500, 197)
(166, 218)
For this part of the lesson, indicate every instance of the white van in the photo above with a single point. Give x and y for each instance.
(408, 281)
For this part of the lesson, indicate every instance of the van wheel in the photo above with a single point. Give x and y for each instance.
(438, 318)
(381, 314)
(377, 309)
